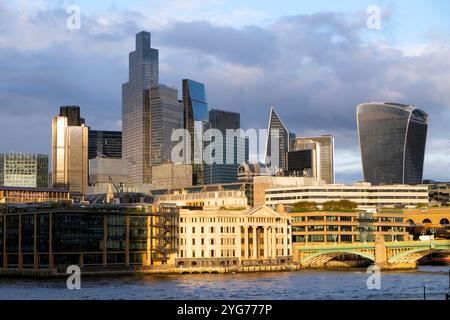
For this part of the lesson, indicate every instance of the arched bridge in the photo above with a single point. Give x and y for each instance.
(392, 254)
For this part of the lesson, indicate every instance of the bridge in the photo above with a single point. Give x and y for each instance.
(387, 255)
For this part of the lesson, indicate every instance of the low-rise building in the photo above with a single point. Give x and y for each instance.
(33, 195)
(234, 237)
(51, 237)
(210, 200)
(365, 195)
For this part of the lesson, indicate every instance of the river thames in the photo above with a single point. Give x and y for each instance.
(299, 285)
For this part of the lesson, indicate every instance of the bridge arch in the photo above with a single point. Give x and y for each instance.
(326, 256)
(414, 255)
(444, 221)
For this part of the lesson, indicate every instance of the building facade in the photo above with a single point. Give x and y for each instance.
(171, 176)
(195, 109)
(231, 238)
(23, 170)
(136, 117)
(322, 155)
(94, 237)
(392, 140)
(347, 227)
(234, 152)
(211, 200)
(33, 195)
(277, 144)
(365, 195)
(70, 152)
(166, 115)
(104, 144)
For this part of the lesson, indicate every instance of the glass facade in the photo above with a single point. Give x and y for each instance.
(105, 144)
(232, 145)
(166, 116)
(195, 108)
(392, 140)
(277, 131)
(24, 170)
(93, 237)
(136, 126)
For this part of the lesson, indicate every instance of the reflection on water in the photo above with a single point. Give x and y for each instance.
(308, 284)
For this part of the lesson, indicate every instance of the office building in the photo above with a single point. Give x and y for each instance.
(234, 152)
(195, 108)
(28, 195)
(170, 176)
(136, 117)
(166, 115)
(97, 238)
(257, 236)
(365, 195)
(322, 156)
(392, 140)
(70, 152)
(277, 144)
(106, 171)
(104, 144)
(23, 170)
(302, 163)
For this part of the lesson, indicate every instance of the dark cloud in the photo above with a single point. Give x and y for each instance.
(314, 69)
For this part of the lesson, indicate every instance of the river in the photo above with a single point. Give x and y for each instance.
(299, 285)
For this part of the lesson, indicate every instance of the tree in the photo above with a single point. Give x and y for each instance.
(342, 205)
(304, 206)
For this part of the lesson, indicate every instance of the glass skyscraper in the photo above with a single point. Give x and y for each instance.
(278, 132)
(236, 146)
(392, 140)
(136, 123)
(24, 170)
(106, 144)
(195, 107)
(166, 116)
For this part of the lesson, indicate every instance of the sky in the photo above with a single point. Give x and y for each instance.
(314, 61)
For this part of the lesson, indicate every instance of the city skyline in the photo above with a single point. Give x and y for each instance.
(299, 97)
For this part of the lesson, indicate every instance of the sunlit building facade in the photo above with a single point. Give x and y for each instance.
(69, 155)
(24, 170)
(392, 140)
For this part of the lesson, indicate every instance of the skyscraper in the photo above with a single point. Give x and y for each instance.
(24, 170)
(106, 144)
(392, 140)
(166, 114)
(136, 132)
(195, 109)
(234, 146)
(277, 132)
(323, 155)
(70, 151)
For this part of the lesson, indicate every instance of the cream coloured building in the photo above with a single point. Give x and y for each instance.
(367, 196)
(254, 236)
(206, 199)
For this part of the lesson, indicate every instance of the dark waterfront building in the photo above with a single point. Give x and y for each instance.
(232, 145)
(195, 108)
(392, 139)
(104, 144)
(50, 237)
(136, 124)
(277, 131)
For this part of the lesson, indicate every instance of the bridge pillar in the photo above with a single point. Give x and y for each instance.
(380, 251)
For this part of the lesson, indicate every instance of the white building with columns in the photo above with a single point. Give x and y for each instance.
(255, 236)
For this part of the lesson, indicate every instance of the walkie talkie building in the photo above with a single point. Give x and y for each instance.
(392, 140)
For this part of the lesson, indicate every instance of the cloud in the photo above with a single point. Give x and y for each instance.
(313, 68)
